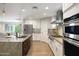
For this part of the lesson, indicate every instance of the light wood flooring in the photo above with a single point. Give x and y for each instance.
(40, 48)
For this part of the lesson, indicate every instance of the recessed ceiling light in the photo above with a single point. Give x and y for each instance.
(3, 14)
(23, 10)
(44, 13)
(46, 8)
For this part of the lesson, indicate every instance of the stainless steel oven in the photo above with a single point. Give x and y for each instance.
(71, 47)
(72, 27)
(72, 30)
(71, 35)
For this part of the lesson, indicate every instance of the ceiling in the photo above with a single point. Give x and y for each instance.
(15, 10)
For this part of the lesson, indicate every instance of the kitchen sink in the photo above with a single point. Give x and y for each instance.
(22, 37)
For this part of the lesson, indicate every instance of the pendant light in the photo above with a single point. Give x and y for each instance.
(3, 10)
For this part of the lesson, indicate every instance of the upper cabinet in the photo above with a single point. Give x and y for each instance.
(70, 9)
(66, 6)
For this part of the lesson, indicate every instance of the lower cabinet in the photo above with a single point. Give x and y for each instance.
(70, 49)
(56, 47)
(59, 49)
(26, 46)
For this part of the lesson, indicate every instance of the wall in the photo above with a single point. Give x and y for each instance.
(45, 25)
(1, 28)
(34, 22)
(7, 20)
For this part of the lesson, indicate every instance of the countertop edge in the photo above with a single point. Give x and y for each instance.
(18, 40)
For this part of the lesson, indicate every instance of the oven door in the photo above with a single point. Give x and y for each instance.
(72, 30)
(71, 47)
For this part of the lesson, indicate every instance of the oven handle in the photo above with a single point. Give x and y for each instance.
(71, 41)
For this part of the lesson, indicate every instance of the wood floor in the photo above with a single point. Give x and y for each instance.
(40, 48)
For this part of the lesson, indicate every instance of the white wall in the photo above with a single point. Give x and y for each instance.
(1, 28)
(8, 20)
(45, 25)
(71, 11)
(44, 29)
(36, 23)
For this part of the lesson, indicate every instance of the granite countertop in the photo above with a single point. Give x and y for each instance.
(58, 39)
(13, 39)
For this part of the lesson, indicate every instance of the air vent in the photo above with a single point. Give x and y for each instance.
(34, 7)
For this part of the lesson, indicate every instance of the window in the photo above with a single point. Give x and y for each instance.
(12, 28)
(9, 28)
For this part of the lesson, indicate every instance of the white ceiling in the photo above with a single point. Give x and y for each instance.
(14, 10)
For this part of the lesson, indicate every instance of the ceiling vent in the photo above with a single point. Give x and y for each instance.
(34, 7)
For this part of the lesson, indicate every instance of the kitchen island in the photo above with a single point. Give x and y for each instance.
(12, 46)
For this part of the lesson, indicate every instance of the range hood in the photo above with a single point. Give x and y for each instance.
(59, 17)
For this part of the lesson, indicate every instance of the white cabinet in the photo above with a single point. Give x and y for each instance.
(56, 47)
(59, 48)
(66, 6)
(70, 9)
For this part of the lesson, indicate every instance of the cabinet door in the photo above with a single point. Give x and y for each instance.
(59, 49)
(52, 46)
(25, 47)
(56, 47)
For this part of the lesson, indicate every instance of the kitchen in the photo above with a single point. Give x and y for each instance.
(26, 25)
